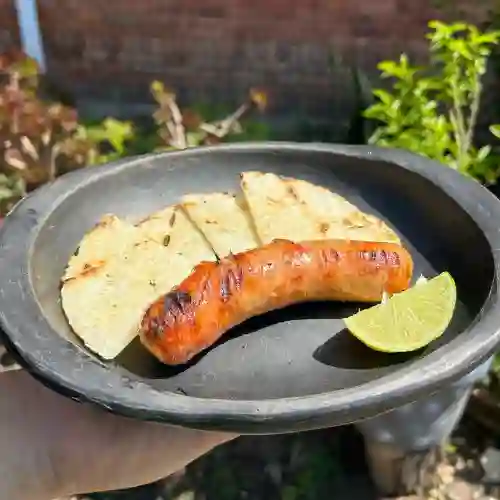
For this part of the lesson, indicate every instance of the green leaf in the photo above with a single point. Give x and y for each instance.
(376, 112)
(113, 131)
(495, 130)
(118, 133)
(460, 47)
(400, 70)
(5, 193)
(460, 26)
(491, 37)
(438, 25)
(384, 96)
(388, 67)
(157, 88)
(483, 153)
(194, 138)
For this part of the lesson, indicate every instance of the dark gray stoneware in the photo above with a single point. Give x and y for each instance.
(294, 369)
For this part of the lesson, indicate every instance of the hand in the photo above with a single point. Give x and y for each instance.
(52, 446)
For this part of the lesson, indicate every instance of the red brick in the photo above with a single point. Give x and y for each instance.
(8, 25)
(222, 47)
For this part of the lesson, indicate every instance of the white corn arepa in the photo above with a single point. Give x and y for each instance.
(298, 210)
(120, 269)
(172, 228)
(105, 294)
(224, 220)
(108, 237)
(336, 218)
(274, 208)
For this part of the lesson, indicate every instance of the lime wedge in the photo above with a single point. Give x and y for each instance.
(408, 320)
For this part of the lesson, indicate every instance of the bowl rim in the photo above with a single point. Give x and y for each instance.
(33, 339)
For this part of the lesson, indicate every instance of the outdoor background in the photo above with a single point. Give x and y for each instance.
(303, 70)
(214, 50)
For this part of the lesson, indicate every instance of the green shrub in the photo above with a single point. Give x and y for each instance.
(433, 111)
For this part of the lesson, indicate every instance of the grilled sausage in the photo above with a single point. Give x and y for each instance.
(220, 295)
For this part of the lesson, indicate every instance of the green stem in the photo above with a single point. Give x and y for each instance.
(459, 128)
(474, 110)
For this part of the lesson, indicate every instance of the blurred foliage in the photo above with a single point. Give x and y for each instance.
(433, 111)
(39, 139)
(299, 466)
(112, 133)
(458, 10)
(315, 476)
(189, 128)
(12, 189)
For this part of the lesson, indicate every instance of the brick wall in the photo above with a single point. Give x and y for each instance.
(9, 32)
(216, 49)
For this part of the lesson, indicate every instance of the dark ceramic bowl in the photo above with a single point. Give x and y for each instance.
(294, 369)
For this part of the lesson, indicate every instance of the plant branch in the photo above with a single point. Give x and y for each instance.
(225, 126)
(474, 111)
(460, 131)
(176, 125)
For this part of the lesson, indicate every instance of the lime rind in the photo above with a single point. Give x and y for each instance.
(408, 320)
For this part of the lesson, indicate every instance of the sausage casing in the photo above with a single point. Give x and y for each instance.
(220, 295)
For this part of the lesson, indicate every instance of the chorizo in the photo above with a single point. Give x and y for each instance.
(217, 296)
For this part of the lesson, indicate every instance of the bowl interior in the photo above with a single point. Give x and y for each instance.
(301, 350)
